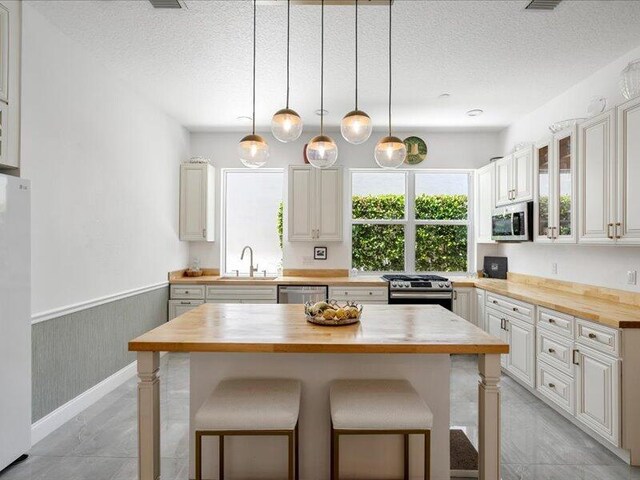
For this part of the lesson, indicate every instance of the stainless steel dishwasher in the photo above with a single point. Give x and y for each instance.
(302, 293)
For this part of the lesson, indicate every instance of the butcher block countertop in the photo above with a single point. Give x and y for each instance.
(364, 281)
(282, 328)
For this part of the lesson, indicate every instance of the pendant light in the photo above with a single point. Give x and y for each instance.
(356, 125)
(322, 151)
(286, 124)
(390, 151)
(253, 149)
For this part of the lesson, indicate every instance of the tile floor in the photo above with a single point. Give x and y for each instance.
(100, 443)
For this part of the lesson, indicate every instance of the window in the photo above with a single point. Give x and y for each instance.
(414, 221)
(251, 213)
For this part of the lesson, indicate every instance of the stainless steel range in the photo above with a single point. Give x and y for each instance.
(420, 289)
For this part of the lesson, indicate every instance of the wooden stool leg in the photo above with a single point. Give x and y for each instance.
(427, 455)
(198, 456)
(221, 457)
(335, 450)
(297, 434)
(406, 456)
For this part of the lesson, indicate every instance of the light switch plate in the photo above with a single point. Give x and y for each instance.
(632, 277)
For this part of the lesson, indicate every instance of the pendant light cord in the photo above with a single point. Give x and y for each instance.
(390, 67)
(356, 3)
(288, 35)
(322, 69)
(254, 69)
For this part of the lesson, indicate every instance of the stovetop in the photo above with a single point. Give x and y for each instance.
(417, 282)
(414, 278)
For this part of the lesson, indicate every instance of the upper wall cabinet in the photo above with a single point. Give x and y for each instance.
(197, 202)
(485, 202)
(513, 177)
(627, 226)
(315, 204)
(555, 187)
(10, 38)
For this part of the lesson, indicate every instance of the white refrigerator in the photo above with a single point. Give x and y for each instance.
(15, 319)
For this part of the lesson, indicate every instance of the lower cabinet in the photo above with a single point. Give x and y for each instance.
(522, 358)
(598, 387)
(495, 325)
(478, 307)
(242, 294)
(178, 307)
(462, 305)
(370, 295)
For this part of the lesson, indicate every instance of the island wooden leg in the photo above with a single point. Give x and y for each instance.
(489, 417)
(148, 416)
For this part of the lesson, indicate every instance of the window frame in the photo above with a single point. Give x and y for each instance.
(409, 222)
(223, 208)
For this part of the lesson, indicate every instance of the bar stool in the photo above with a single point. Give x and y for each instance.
(378, 407)
(248, 407)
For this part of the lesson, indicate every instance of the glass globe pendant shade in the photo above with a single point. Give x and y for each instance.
(286, 125)
(253, 151)
(356, 127)
(390, 152)
(322, 151)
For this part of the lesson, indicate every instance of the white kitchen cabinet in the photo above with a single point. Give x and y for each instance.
(555, 186)
(495, 326)
(242, 294)
(597, 183)
(315, 204)
(521, 360)
(10, 66)
(514, 177)
(364, 295)
(197, 202)
(627, 226)
(178, 307)
(598, 393)
(462, 306)
(480, 297)
(485, 202)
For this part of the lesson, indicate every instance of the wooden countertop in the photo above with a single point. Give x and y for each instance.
(364, 281)
(282, 328)
(607, 312)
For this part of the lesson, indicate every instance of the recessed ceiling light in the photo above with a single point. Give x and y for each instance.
(475, 112)
(444, 96)
(244, 118)
(322, 113)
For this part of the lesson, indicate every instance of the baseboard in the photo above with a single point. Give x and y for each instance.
(73, 407)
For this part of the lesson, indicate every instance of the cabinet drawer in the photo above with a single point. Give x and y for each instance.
(238, 292)
(598, 337)
(521, 310)
(556, 322)
(556, 386)
(178, 307)
(359, 294)
(555, 350)
(186, 292)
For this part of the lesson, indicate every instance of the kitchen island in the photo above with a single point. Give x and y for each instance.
(392, 341)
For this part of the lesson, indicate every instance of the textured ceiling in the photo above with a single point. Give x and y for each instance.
(196, 63)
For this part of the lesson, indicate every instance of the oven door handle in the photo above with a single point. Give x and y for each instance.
(425, 295)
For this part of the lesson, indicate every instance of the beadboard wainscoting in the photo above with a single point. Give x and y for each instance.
(74, 354)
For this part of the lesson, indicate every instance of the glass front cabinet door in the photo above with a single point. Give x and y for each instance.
(542, 219)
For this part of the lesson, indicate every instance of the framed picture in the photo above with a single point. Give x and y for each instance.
(319, 253)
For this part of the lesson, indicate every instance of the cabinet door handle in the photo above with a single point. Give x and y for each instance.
(185, 303)
(494, 301)
(617, 235)
(515, 309)
(204, 233)
(502, 324)
(593, 336)
(552, 385)
(552, 350)
(551, 320)
(455, 295)
(609, 234)
(574, 360)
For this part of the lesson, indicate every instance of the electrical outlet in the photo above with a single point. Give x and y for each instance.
(554, 268)
(632, 277)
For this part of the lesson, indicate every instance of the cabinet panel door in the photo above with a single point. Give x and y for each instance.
(503, 180)
(329, 204)
(193, 202)
(563, 198)
(597, 402)
(543, 186)
(462, 303)
(300, 207)
(523, 175)
(628, 230)
(521, 357)
(178, 307)
(480, 299)
(485, 202)
(494, 322)
(596, 138)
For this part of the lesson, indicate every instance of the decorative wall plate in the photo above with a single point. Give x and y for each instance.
(416, 150)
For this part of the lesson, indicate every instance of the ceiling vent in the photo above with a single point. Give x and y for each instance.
(167, 3)
(542, 4)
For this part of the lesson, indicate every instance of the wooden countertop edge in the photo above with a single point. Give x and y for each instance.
(205, 347)
(333, 282)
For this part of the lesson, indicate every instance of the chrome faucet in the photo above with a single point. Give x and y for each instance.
(252, 269)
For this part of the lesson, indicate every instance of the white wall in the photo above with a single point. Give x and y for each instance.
(104, 166)
(603, 265)
(463, 150)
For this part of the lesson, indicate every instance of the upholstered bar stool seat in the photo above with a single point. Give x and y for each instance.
(250, 407)
(385, 407)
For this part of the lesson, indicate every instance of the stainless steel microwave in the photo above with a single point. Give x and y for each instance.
(513, 223)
